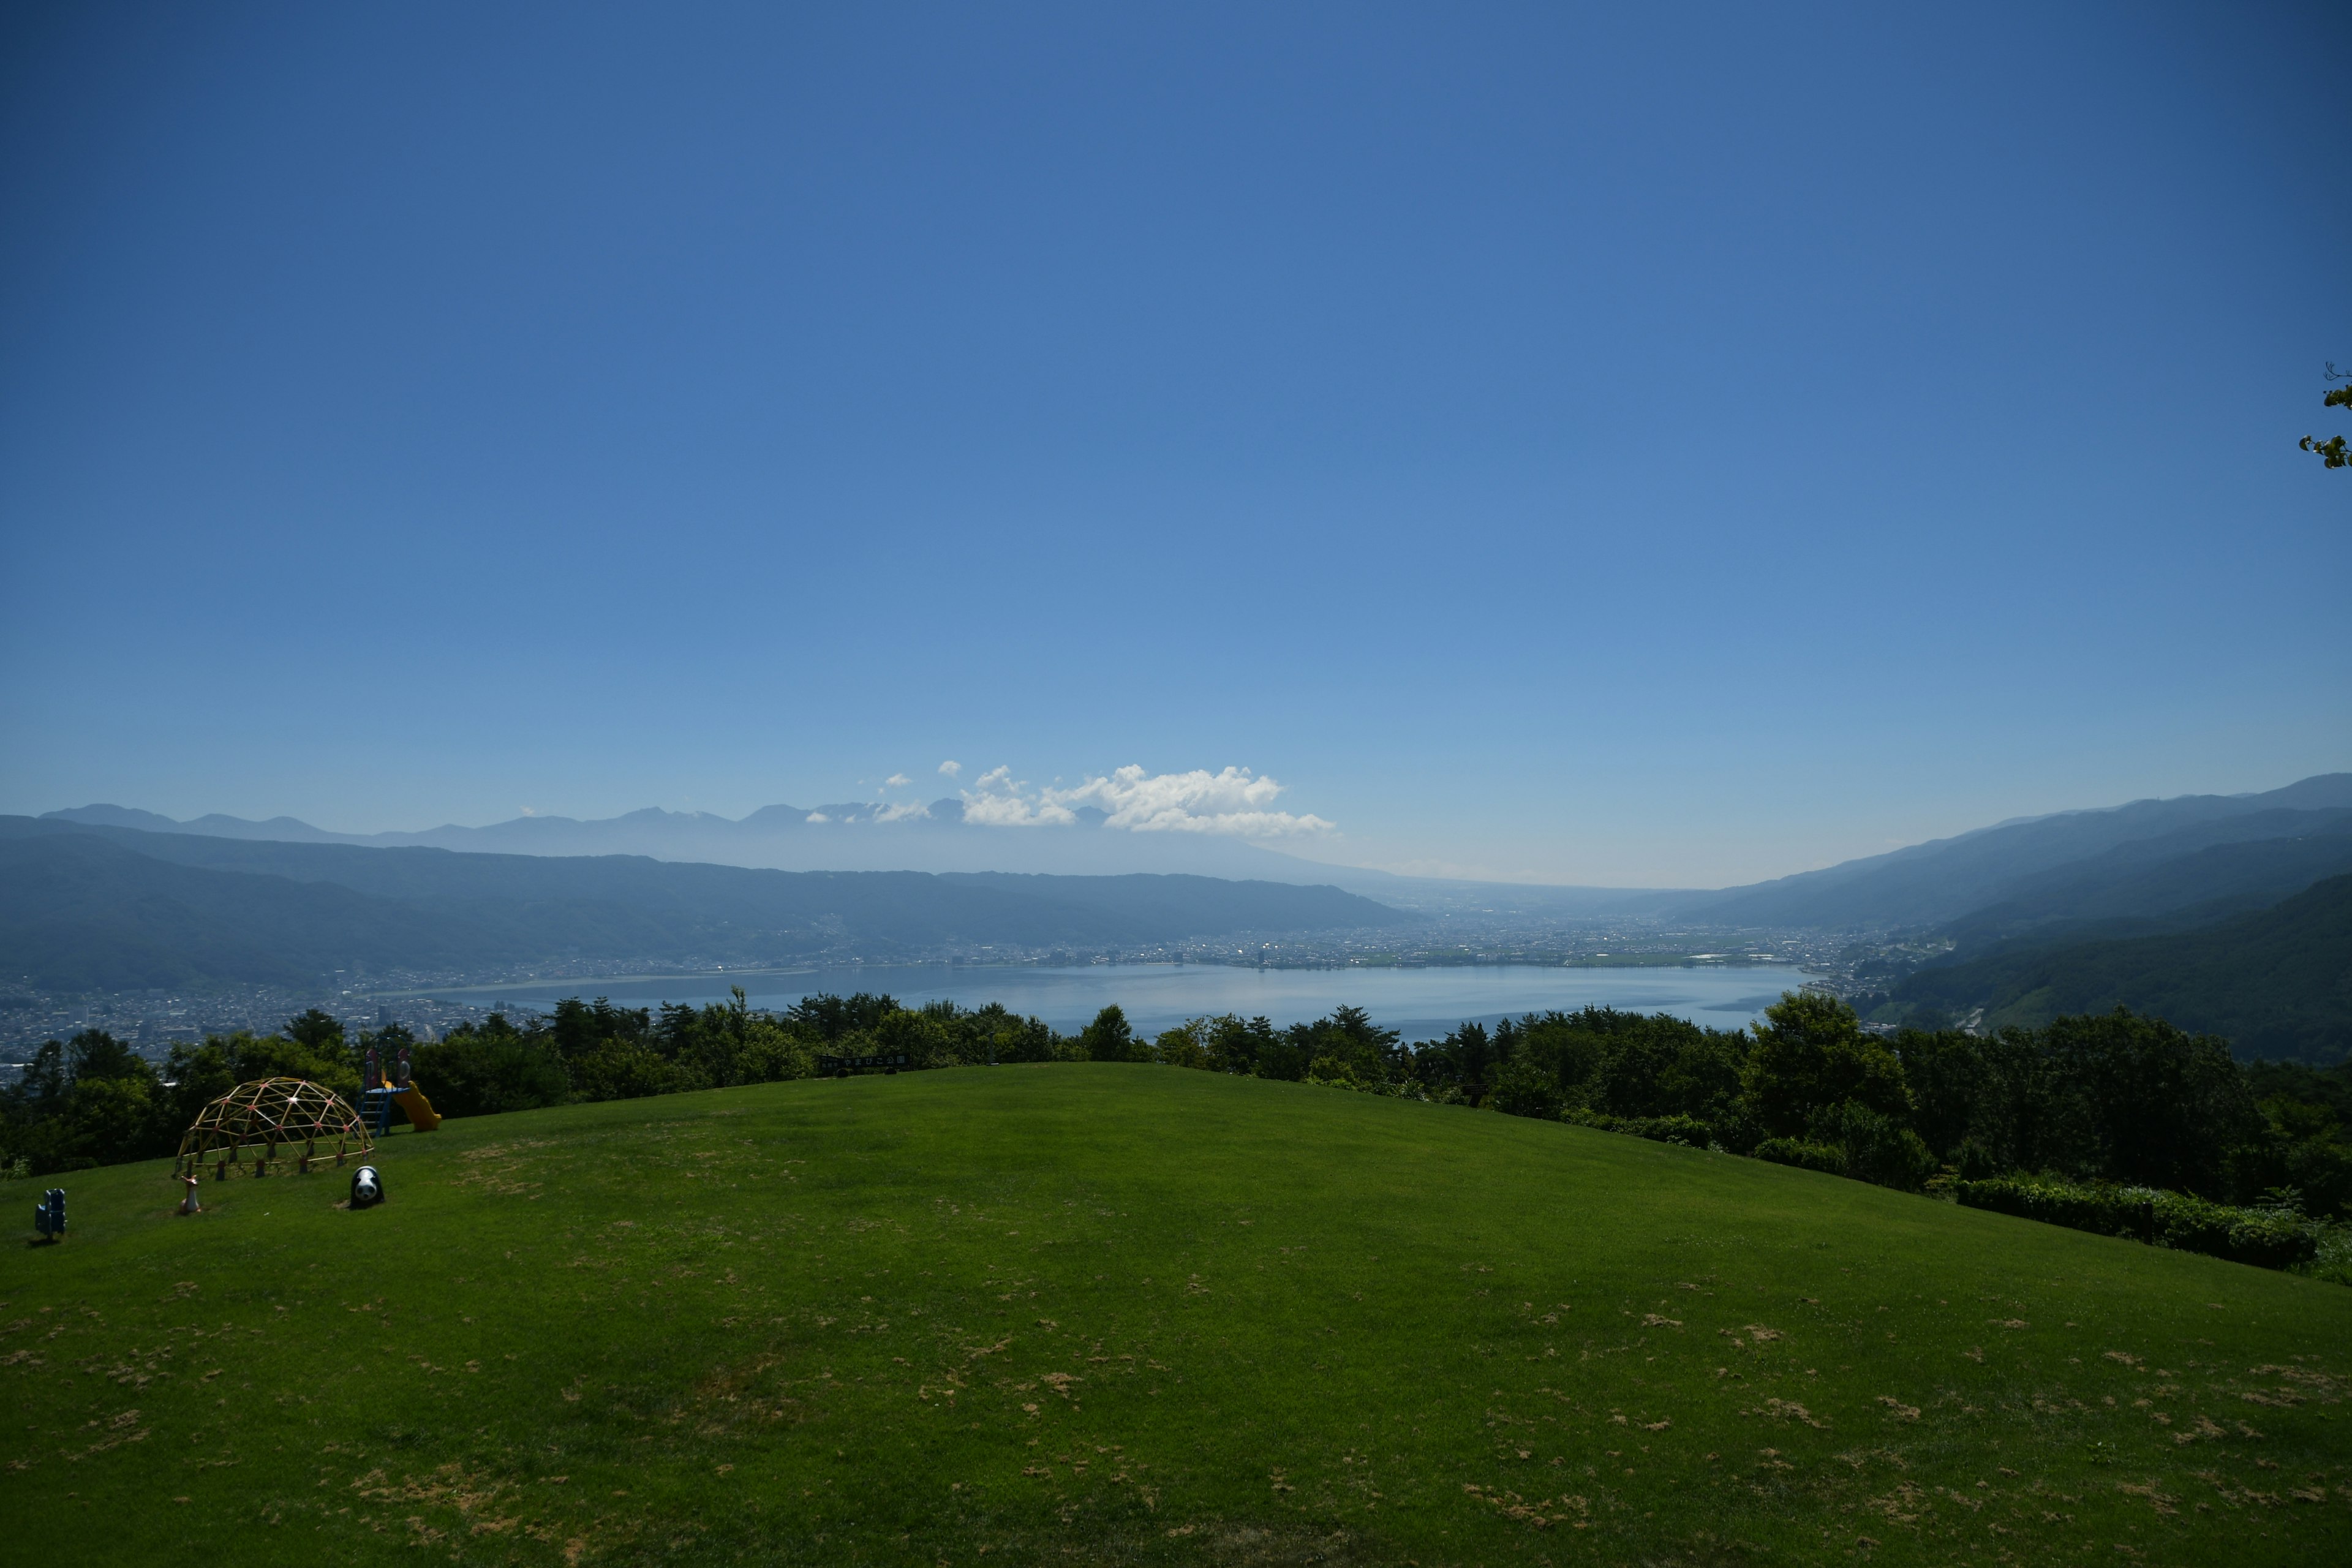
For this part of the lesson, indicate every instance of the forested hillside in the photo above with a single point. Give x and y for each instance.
(1933, 883)
(2175, 882)
(2276, 983)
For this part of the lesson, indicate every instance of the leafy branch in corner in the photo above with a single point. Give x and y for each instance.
(2332, 451)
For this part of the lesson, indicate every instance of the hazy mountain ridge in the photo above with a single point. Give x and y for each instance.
(858, 835)
(2175, 880)
(84, 907)
(1993, 883)
(1933, 884)
(862, 836)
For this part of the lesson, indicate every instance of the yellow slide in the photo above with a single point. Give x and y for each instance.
(421, 1114)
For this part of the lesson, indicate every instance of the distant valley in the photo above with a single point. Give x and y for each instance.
(2223, 913)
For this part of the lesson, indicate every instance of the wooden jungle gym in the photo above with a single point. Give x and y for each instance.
(272, 1124)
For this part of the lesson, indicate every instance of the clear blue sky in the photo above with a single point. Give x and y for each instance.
(1635, 444)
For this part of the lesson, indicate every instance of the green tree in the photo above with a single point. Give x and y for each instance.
(92, 1101)
(1466, 1060)
(1526, 1085)
(2160, 1108)
(1240, 1045)
(327, 1062)
(829, 1017)
(483, 1073)
(1356, 1049)
(1109, 1038)
(626, 1069)
(321, 1033)
(1810, 1057)
(1000, 1034)
(2332, 451)
(1185, 1046)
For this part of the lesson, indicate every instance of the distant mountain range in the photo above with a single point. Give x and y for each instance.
(86, 906)
(2047, 865)
(2072, 867)
(2224, 914)
(2041, 912)
(863, 836)
(855, 835)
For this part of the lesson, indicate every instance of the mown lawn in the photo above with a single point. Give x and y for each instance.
(1098, 1313)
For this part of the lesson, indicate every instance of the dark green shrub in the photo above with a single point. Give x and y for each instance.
(1526, 1086)
(1975, 1162)
(776, 1057)
(2268, 1239)
(1879, 1148)
(1685, 1129)
(619, 1070)
(1827, 1158)
(1332, 1073)
(485, 1075)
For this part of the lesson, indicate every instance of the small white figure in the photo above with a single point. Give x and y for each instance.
(188, 1205)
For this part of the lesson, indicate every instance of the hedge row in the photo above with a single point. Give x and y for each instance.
(1829, 1158)
(1685, 1129)
(2266, 1238)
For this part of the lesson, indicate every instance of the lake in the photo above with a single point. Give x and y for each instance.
(1421, 1002)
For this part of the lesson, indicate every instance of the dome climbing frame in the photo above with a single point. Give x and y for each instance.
(272, 1125)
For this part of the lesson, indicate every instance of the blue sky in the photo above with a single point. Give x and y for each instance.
(1633, 445)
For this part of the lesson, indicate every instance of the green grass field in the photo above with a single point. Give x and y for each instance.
(1097, 1313)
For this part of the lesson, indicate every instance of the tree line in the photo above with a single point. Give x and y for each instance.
(2112, 1097)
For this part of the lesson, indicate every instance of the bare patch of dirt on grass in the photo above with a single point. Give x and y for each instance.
(471, 1495)
(1210, 1540)
(1539, 1515)
(1788, 1410)
(496, 1167)
(1907, 1504)
(2162, 1501)
(754, 1393)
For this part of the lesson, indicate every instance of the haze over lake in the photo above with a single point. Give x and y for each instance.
(1419, 1003)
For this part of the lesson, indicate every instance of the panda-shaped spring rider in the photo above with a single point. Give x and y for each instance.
(367, 1188)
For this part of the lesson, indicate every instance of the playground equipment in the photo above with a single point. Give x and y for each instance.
(367, 1188)
(379, 1094)
(258, 1128)
(50, 1214)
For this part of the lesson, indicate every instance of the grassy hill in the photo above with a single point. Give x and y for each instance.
(2274, 983)
(1104, 1313)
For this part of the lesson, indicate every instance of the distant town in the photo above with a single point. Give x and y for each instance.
(152, 1021)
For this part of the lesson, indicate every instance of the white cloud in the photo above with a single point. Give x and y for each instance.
(897, 781)
(818, 816)
(1234, 802)
(902, 810)
(951, 769)
(997, 799)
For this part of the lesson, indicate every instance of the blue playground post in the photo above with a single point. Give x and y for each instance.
(375, 1108)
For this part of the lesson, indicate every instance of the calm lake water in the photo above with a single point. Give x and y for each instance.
(1422, 1002)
